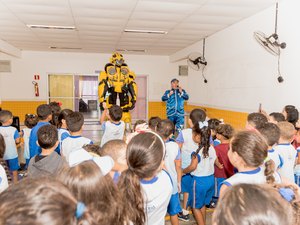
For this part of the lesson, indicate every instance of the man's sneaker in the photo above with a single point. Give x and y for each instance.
(183, 217)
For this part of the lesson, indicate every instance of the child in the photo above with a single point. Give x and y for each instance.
(75, 141)
(202, 170)
(63, 132)
(291, 114)
(3, 167)
(140, 126)
(255, 121)
(55, 109)
(247, 153)
(166, 129)
(187, 145)
(44, 115)
(286, 150)
(146, 188)
(223, 168)
(11, 138)
(153, 122)
(48, 162)
(114, 128)
(213, 124)
(276, 117)
(297, 167)
(43, 201)
(253, 204)
(116, 149)
(30, 122)
(271, 133)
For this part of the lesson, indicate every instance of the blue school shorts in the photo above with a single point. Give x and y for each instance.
(174, 205)
(13, 164)
(218, 182)
(186, 181)
(202, 190)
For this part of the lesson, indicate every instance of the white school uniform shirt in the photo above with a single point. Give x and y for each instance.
(205, 166)
(26, 135)
(288, 156)
(272, 154)
(188, 146)
(62, 135)
(73, 143)
(112, 131)
(172, 154)
(3, 179)
(10, 134)
(157, 194)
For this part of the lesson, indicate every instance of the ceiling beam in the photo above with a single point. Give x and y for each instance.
(9, 49)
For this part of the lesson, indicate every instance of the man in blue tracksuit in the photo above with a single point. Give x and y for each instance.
(175, 104)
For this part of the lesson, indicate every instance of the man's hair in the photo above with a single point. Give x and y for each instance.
(116, 149)
(270, 132)
(115, 113)
(5, 115)
(153, 122)
(279, 117)
(287, 130)
(43, 111)
(47, 136)
(257, 119)
(75, 121)
(165, 128)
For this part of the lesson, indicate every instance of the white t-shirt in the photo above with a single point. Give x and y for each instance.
(112, 131)
(26, 134)
(288, 156)
(157, 194)
(205, 166)
(10, 134)
(172, 154)
(188, 146)
(272, 154)
(3, 179)
(73, 143)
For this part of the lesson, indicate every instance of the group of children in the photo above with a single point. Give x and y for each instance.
(138, 178)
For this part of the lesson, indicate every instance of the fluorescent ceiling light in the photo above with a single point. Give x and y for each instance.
(130, 50)
(51, 27)
(68, 48)
(146, 31)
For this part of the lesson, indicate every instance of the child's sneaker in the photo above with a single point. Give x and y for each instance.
(183, 217)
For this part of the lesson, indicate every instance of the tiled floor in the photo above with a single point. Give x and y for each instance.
(192, 220)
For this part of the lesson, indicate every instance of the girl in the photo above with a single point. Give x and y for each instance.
(213, 124)
(247, 153)
(187, 146)
(63, 132)
(145, 186)
(42, 201)
(5, 178)
(202, 171)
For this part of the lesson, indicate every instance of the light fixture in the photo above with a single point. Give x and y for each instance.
(67, 48)
(130, 50)
(145, 31)
(51, 27)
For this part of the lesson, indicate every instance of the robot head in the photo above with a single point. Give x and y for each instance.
(117, 59)
(110, 69)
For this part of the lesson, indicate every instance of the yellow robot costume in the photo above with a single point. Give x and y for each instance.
(117, 86)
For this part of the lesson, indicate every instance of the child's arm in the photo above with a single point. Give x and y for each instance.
(103, 116)
(177, 162)
(192, 166)
(17, 138)
(218, 164)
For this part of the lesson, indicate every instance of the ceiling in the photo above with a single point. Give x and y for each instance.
(100, 24)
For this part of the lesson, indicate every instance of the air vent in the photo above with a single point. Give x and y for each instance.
(183, 70)
(5, 66)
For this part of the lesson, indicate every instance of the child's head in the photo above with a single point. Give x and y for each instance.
(201, 135)
(287, 109)
(224, 132)
(256, 121)
(42, 201)
(287, 131)
(115, 113)
(55, 108)
(196, 115)
(6, 117)
(276, 117)
(116, 149)
(165, 128)
(88, 184)
(293, 116)
(62, 118)
(92, 148)
(252, 204)
(75, 121)
(30, 120)
(137, 123)
(153, 122)
(44, 112)
(213, 124)
(2, 146)
(47, 137)
(271, 133)
(145, 153)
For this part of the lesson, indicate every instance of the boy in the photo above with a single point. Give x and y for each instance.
(153, 122)
(255, 121)
(116, 149)
(75, 141)
(44, 115)
(11, 139)
(114, 128)
(286, 151)
(173, 165)
(48, 162)
(271, 133)
(276, 117)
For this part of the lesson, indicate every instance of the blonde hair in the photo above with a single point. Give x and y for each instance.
(287, 130)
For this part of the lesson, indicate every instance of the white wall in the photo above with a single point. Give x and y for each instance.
(240, 73)
(17, 85)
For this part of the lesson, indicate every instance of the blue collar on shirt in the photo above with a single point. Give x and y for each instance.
(284, 144)
(271, 150)
(153, 180)
(257, 170)
(6, 126)
(75, 136)
(117, 124)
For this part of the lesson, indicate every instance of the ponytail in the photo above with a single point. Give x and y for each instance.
(269, 171)
(204, 133)
(130, 188)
